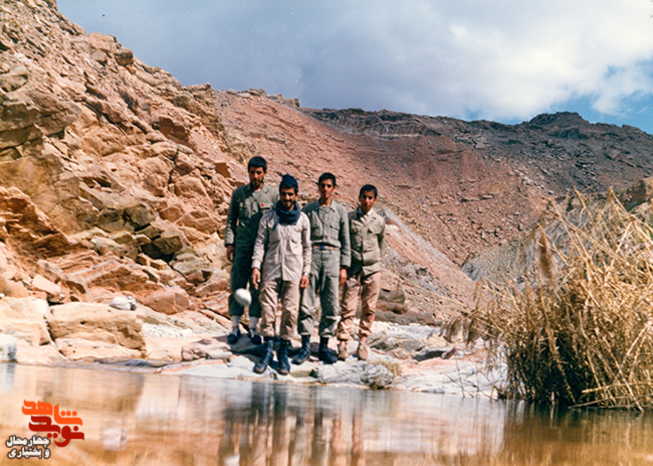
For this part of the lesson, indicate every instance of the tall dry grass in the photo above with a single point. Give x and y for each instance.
(580, 332)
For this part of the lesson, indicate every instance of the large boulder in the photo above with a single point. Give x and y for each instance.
(99, 323)
(23, 318)
(38, 355)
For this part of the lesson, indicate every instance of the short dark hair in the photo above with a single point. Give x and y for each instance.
(368, 188)
(258, 162)
(289, 181)
(327, 176)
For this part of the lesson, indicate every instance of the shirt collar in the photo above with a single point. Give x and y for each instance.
(250, 190)
(367, 215)
(330, 206)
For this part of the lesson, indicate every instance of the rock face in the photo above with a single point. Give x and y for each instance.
(115, 181)
(102, 160)
(115, 178)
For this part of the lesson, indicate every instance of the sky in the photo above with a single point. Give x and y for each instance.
(499, 60)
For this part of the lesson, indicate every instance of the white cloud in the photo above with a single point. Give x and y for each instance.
(494, 59)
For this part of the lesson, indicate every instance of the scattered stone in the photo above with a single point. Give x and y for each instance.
(395, 308)
(43, 284)
(359, 373)
(400, 340)
(195, 269)
(124, 57)
(100, 57)
(158, 264)
(47, 354)
(125, 303)
(143, 259)
(41, 306)
(23, 318)
(215, 285)
(434, 353)
(393, 296)
(208, 348)
(159, 330)
(15, 79)
(223, 169)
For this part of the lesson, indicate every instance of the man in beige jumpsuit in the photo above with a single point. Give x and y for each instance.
(367, 233)
(281, 264)
(330, 261)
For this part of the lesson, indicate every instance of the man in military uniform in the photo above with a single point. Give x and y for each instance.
(281, 264)
(367, 232)
(330, 261)
(248, 204)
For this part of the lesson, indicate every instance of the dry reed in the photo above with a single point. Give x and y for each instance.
(580, 331)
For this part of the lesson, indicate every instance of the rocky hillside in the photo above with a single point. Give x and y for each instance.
(518, 261)
(470, 186)
(115, 179)
(112, 175)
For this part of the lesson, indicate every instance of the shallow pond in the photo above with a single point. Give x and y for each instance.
(153, 419)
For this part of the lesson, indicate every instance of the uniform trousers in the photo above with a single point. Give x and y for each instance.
(273, 291)
(368, 287)
(241, 275)
(325, 280)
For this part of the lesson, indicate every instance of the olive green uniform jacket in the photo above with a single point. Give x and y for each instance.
(331, 252)
(245, 212)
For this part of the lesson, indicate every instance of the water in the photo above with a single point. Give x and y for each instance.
(154, 419)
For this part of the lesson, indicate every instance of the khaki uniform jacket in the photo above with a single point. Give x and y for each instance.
(245, 211)
(284, 251)
(330, 226)
(367, 234)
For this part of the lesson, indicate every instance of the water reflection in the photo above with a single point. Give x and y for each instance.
(136, 418)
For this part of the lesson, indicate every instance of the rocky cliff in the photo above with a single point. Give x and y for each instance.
(113, 175)
(115, 179)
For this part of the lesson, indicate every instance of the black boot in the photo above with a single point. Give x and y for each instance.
(282, 356)
(266, 359)
(304, 351)
(324, 354)
(233, 337)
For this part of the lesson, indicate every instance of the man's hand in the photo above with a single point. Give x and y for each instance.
(230, 253)
(256, 278)
(303, 283)
(343, 276)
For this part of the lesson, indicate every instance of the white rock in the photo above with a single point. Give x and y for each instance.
(41, 305)
(124, 303)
